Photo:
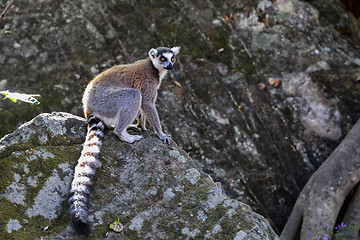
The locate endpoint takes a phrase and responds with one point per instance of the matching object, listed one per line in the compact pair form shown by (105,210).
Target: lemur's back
(128,76)
(141,75)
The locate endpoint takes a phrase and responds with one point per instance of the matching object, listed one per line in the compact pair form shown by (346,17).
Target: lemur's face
(163,57)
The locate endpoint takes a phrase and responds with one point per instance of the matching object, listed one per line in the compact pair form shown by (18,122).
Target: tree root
(322,197)
(352,216)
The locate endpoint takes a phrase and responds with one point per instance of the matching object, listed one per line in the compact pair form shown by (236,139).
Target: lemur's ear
(153,53)
(176,50)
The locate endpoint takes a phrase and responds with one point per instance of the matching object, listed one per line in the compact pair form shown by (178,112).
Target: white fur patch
(110,122)
(93,149)
(153,52)
(85,98)
(86,170)
(156,63)
(79,180)
(95,139)
(162,74)
(176,50)
(159,67)
(168,55)
(89,159)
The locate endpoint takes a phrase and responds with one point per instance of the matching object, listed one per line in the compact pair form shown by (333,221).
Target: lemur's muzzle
(169,66)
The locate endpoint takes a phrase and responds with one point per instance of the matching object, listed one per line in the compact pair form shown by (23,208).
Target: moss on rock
(158,193)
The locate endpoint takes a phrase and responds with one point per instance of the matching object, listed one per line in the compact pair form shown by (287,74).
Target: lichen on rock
(154,190)
(13,225)
(318,114)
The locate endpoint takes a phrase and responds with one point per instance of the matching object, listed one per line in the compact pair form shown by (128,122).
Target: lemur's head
(163,57)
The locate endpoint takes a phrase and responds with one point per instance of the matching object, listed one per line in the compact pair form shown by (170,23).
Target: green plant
(28,98)
(340,232)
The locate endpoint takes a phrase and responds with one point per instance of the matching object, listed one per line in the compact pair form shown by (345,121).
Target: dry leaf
(177,83)
(228,18)
(277,82)
(274,82)
(262,86)
(271,81)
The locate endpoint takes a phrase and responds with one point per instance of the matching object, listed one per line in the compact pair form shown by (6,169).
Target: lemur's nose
(169,66)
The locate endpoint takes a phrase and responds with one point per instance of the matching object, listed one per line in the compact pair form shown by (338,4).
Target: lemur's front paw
(165,138)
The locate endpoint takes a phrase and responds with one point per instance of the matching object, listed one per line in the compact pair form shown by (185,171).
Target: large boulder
(153,189)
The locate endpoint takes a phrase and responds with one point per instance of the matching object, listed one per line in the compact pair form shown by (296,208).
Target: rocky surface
(261,94)
(344,18)
(154,190)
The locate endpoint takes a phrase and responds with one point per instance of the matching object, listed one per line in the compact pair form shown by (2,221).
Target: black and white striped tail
(84,172)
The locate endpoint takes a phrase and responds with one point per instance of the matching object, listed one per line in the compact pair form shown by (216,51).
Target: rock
(318,115)
(335,13)
(257,141)
(152,189)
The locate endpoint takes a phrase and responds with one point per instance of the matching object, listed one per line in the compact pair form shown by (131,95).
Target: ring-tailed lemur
(114,98)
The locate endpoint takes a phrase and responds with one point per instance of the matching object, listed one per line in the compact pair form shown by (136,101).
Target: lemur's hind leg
(119,109)
(140,124)
(142,121)
(127,114)
(136,126)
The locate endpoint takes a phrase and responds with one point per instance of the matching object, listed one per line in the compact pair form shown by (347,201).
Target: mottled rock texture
(155,190)
(261,140)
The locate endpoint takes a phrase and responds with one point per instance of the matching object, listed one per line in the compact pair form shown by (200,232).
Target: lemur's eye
(162,59)
(172,59)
